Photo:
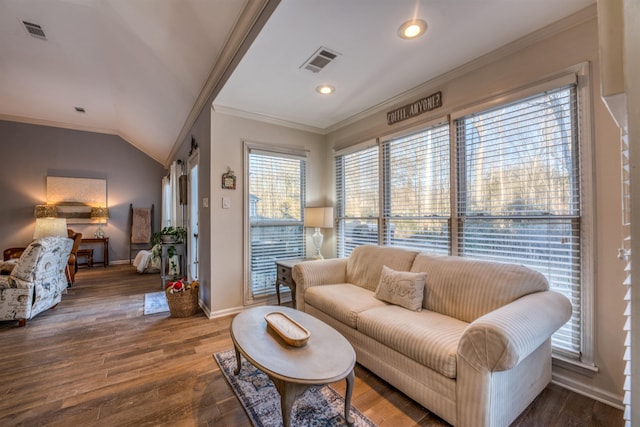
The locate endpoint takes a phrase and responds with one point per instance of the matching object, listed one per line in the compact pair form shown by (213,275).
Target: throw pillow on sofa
(401,288)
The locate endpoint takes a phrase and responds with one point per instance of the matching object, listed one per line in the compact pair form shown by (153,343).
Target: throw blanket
(141,225)
(146,262)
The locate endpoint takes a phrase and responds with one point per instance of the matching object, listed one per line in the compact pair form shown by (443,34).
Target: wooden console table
(105,243)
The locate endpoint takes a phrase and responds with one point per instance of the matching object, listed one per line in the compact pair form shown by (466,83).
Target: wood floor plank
(97,360)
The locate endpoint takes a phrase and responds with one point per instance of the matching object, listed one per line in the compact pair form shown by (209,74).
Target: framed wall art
(74,197)
(229,180)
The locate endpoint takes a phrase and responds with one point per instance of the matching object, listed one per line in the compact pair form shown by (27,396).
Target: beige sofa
(476,353)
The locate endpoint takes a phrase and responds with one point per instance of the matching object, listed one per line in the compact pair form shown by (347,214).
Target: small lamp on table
(318,218)
(101,215)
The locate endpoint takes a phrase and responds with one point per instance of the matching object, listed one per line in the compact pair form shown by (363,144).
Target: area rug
(318,406)
(155,302)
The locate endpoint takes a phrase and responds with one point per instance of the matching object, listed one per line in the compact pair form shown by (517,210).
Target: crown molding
(585,15)
(267,119)
(582,16)
(251,20)
(81,128)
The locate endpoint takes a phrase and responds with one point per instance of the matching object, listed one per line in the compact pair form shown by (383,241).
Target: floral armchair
(37,281)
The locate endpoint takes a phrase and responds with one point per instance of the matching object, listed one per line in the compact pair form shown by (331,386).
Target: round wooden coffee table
(327,356)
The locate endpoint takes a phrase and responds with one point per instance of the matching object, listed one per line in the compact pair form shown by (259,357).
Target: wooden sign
(416,108)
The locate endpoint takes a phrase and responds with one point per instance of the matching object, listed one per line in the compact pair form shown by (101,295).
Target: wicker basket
(183,304)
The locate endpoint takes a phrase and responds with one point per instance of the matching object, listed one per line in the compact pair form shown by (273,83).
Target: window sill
(574,366)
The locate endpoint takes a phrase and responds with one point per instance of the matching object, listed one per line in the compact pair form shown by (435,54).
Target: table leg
(347,399)
(289,392)
(238,361)
(278,291)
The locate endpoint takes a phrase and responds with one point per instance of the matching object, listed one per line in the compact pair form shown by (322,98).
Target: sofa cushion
(402,288)
(427,337)
(467,289)
(365,263)
(342,301)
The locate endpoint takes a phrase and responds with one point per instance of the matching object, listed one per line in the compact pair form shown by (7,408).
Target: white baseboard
(222,313)
(591,392)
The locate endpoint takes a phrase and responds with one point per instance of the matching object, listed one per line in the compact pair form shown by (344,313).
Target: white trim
(413,128)
(355,148)
(223,313)
(271,149)
(595,393)
(81,128)
(222,109)
(588,228)
(281,151)
(246,275)
(554,81)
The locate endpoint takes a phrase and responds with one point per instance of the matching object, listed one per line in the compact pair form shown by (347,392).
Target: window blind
(357,199)
(417,190)
(519,193)
(276,204)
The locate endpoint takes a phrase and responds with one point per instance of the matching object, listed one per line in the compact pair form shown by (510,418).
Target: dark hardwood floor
(96,360)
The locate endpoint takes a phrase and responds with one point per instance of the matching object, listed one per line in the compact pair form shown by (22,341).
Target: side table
(284,277)
(105,248)
(167,271)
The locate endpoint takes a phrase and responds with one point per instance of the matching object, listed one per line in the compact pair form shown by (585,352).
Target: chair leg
(22,323)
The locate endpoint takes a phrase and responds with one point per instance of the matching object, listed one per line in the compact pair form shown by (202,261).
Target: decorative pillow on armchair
(402,288)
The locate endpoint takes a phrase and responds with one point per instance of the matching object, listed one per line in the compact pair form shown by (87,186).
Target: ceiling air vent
(319,59)
(35,30)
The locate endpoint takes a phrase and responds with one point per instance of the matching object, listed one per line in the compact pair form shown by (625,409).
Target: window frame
(277,151)
(578,74)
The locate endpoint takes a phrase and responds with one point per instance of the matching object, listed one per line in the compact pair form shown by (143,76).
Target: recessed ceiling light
(412,29)
(325,89)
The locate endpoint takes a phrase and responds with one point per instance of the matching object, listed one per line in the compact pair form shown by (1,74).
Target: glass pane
(276,201)
(521,159)
(418,170)
(268,244)
(357,193)
(429,235)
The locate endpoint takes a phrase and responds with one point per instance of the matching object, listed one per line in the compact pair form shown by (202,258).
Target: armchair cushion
(6,267)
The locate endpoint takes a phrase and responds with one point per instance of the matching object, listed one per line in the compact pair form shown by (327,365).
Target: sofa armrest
(316,273)
(499,340)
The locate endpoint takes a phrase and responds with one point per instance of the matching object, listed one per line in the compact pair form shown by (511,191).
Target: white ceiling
(136,66)
(375,64)
(139,66)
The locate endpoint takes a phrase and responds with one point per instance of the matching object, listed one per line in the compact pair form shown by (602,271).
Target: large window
(275,204)
(357,197)
(519,192)
(507,186)
(417,208)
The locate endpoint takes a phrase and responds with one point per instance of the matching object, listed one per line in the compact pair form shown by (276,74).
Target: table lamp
(47,224)
(318,218)
(101,215)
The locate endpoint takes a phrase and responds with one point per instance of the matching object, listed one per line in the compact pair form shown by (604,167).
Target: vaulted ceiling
(139,68)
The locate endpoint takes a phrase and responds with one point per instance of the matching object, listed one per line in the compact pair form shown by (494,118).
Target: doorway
(193,215)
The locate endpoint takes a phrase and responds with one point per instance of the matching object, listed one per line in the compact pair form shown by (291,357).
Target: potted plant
(168,235)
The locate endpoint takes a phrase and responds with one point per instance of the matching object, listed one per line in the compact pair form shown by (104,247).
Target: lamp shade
(100,213)
(46,227)
(318,217)
(45,211)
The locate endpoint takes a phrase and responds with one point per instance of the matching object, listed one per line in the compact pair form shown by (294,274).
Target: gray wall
(31,152)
